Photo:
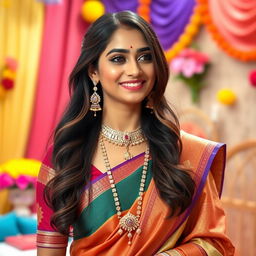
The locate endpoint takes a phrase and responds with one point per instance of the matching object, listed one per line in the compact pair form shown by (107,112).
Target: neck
(122,118)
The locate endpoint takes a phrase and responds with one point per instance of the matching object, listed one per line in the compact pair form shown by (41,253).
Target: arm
(51,252)
(49,241)
(205,230)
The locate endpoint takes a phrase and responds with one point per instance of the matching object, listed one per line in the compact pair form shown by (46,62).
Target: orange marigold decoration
(144,9)
(234,29)
(186,38)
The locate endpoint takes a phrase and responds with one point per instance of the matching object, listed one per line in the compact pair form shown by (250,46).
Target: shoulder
(193,146)
(189,140)
(47,159)
(47,171)
(203,156)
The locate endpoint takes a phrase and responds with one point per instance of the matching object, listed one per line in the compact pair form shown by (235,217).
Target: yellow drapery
(21,27)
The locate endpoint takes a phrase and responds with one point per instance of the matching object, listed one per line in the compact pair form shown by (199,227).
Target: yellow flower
(7,73)
(92,10)
(21,166)
(226,96)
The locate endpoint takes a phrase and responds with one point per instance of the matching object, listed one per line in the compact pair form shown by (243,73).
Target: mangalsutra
(129,222)
(126,139)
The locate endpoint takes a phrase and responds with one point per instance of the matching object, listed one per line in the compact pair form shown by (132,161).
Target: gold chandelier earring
(95,99)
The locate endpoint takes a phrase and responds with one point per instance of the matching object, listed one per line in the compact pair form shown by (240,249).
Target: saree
(199,230)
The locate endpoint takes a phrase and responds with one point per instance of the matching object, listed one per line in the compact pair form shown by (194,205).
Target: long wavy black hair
(77,133)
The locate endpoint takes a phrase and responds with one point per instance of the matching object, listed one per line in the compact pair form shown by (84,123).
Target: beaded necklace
(129,222)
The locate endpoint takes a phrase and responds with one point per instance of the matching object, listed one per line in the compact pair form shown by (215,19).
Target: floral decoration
(191,66)
(8,76)
(19,173)
(175,22)
(144,9)
(226,96)
(252,77)
(185,39)
(91,10)
(238,25)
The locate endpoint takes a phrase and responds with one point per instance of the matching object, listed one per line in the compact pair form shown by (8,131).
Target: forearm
(51,252)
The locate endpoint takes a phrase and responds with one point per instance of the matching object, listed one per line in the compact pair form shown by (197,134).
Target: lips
(132,84)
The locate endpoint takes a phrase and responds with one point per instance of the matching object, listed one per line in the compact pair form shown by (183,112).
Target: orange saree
(200,230)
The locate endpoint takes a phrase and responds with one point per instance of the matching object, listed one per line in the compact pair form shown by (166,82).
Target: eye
(118,59)
(147,57)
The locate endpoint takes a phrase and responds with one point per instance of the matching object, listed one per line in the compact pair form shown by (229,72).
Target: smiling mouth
(133,84)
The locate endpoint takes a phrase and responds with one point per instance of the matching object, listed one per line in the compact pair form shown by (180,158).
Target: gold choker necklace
(126,139)
(129,222)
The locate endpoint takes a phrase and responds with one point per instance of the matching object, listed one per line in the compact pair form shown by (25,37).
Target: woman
(120,175)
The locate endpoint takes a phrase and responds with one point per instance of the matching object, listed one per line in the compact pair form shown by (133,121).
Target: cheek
(152,72)
(151,75)
(110,74)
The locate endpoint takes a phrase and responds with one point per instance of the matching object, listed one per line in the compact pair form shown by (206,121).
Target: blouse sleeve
(47,236)
(205,230)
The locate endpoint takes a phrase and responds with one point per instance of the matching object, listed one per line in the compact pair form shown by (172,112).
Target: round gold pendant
(129,222)
(127,155)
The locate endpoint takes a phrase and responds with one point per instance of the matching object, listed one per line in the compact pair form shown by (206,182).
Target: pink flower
(198,56)
(189,62)
(177,64)
(23,181)
(11,63)
(6,181)
(191,67)
(252,77)
(202,58)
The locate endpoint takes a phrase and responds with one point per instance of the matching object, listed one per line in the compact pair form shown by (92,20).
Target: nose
(133,68)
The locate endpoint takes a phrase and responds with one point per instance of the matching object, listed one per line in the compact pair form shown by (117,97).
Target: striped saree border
(102,184)
(186,250)
(206,247)
(201,174)
(115,168)
(174,253)
(46,174)
(51,239)
(105,204)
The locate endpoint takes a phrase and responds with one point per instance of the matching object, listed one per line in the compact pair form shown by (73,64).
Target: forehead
(126,37)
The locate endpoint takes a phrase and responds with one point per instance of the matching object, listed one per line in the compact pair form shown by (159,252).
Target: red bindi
(131,46)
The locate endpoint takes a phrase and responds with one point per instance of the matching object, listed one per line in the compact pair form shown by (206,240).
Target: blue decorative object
(8,225)
(26,225)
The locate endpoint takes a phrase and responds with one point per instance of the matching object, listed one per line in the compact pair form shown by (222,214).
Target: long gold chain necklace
(129,222)
(126,139)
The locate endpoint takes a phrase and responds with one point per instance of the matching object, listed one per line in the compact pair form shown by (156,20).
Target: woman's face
(125,69)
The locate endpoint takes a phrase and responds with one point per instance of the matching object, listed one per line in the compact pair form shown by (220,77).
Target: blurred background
(210,46)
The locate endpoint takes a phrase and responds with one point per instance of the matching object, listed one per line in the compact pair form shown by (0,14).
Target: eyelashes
(147,57)
(120,59)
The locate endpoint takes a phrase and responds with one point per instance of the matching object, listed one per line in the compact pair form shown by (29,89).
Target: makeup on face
(125,68)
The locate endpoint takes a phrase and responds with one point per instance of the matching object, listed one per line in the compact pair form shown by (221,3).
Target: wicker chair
(239,197)
(195,121)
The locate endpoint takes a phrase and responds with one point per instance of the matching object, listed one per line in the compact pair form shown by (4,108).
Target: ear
(93,74)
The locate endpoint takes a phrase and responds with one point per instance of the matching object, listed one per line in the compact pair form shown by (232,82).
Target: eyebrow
(120,50)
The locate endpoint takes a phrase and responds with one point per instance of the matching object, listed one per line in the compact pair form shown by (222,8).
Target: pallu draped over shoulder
(200,230)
